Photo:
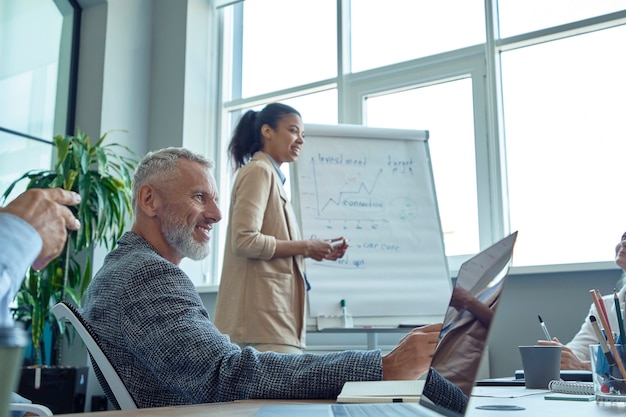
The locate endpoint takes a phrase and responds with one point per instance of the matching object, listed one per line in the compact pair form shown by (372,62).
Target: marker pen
(344,313)
(544,328)
(337,243)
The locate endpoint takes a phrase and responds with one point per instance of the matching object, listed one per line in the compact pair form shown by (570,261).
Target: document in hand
(381,391)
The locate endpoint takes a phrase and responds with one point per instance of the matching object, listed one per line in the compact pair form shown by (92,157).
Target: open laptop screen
(468,320)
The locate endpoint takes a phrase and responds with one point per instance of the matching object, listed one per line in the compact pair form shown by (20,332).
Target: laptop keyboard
(374,410)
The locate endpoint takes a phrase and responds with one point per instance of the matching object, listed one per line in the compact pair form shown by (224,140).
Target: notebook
(381,391)
(462,341)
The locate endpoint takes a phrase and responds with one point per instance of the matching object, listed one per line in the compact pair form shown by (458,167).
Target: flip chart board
(375,187)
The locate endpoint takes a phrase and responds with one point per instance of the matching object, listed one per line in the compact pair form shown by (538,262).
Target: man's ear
(148,200)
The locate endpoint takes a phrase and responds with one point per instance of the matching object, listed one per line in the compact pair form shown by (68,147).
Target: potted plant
(101,174)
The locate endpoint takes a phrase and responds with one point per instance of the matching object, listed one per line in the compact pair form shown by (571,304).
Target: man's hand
(413,354)
(45,210)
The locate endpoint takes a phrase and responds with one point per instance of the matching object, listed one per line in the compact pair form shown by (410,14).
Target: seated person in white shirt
(575,354)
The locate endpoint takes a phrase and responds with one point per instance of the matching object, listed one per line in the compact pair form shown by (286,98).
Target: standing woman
(262,296)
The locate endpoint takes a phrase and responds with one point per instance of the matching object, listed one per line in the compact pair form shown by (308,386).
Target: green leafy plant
(102,175)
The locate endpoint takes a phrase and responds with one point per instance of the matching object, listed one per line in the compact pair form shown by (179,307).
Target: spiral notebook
(571,391)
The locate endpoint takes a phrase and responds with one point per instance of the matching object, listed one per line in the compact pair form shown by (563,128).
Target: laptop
(462,341)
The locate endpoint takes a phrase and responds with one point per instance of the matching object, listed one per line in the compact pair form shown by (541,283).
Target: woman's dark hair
(247,139)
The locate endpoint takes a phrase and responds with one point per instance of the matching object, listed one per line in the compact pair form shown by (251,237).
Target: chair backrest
(109,379)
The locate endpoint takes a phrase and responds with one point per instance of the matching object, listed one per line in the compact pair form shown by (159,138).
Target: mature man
(152,323)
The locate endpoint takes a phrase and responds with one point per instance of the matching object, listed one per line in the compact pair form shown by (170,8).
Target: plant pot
(62,389)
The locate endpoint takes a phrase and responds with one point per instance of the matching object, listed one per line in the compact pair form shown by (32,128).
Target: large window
(280,50)
(36,92)
(29,65)
(401,30)
(525,114)
(517,17)
(430,107)
(564,104)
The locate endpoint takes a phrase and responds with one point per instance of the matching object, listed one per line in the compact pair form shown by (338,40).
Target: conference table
(532,402)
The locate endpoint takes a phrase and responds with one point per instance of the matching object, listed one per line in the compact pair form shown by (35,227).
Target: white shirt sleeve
(586,336)
(21,245)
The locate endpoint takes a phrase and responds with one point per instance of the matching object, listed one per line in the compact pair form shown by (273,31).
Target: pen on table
(601,340)
(620,319)
(544,328)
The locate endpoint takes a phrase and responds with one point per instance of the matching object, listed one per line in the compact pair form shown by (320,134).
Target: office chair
(38,409)
(109,379)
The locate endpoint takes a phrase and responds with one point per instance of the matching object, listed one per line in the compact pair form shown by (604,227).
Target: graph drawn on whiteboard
(378,193)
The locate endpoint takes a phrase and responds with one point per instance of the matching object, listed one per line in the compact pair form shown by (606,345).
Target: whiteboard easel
(373,186)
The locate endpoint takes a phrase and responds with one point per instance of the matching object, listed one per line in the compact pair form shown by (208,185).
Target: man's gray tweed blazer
(154,327)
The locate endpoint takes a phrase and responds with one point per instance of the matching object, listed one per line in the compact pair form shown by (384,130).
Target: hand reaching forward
(46,211)
(413,354)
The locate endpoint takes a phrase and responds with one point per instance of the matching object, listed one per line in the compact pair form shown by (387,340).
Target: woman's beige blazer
(260,299)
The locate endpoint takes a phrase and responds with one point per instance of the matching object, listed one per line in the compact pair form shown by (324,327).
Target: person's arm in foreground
(445,394)
(46,211)
(33,230)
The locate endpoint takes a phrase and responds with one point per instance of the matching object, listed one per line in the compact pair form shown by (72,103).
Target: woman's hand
(569,361)
(339,247)
(319,249)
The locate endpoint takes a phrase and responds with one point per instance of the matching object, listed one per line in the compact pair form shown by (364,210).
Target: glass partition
(38,49)
(18,155)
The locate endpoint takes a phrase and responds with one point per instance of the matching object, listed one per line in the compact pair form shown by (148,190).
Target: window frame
(480,62)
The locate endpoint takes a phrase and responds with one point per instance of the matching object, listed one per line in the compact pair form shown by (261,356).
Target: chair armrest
(40,410)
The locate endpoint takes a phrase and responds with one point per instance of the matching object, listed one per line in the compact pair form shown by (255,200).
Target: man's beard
(180,236)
